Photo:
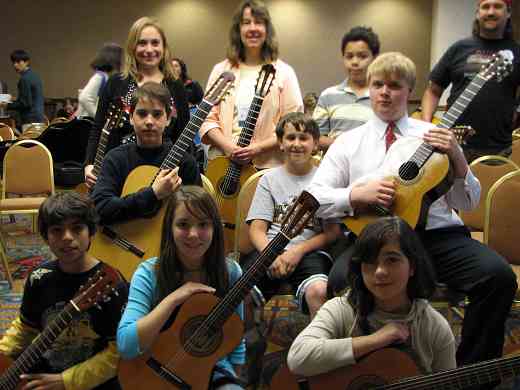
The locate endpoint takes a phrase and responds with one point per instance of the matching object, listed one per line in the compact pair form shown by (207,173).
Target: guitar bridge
(122,242)
(166,374)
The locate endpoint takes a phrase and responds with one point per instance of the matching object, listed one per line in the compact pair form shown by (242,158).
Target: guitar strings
(454,378)
(237,289)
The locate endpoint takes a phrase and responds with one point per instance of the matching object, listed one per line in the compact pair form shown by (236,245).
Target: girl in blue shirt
(191,261)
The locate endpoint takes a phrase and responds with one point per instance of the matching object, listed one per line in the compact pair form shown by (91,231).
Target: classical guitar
(390,368)
(421,173)
(206,328)
(124,245)
(114,119)
(226,175)
(98,288)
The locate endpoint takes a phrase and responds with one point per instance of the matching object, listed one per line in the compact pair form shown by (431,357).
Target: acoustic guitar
(124,245)
(206,329)
(97,290)
(390,368)
(114,119)
(420,172)
(226,175)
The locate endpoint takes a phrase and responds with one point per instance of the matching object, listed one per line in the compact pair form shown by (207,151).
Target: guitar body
(382,367)
(143,233)
(414,196)
(195,367)
(5,363)
(227,204)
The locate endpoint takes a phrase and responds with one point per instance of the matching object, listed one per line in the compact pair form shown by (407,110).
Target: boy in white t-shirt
(304,263)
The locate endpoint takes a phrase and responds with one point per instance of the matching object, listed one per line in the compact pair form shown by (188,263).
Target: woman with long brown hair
(252,44)
(147,58)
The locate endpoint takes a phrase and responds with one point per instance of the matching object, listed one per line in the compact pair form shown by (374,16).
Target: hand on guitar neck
(444,140)
(166,183)
(90,178)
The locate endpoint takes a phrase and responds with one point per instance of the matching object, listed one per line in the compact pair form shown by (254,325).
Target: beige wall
(62,36)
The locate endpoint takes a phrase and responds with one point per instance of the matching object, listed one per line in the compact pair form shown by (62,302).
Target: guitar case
(67,143)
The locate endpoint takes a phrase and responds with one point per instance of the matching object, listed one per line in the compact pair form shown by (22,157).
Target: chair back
(502,217)
(487,174)
(60,119)
(515,151)
(28,170)
(242,243)
(208,186)
(6,132)
(34,130)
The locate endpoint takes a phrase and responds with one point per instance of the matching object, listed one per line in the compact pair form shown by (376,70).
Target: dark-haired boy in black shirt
(84,355)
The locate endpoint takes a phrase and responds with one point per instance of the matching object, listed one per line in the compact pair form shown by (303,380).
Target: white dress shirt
(360,152)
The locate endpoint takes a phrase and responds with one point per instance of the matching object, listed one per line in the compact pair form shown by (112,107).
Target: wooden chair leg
(5,262)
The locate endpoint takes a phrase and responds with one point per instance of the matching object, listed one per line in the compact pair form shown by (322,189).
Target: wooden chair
(515,153)
(33,131)
(487,174)
(516,134)
(28,180)
(6,132)
(502,220)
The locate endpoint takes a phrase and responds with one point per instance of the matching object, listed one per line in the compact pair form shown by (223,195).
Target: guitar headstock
(299,215)
(115,115)
(499,66)
(265,80)
(98,288)
(463,133)
(220,88)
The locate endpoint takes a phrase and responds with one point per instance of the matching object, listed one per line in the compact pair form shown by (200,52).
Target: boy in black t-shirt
(84,355)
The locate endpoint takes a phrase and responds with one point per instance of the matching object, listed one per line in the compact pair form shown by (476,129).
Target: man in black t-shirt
(490,113)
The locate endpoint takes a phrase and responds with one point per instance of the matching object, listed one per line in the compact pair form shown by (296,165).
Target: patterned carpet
(270,331)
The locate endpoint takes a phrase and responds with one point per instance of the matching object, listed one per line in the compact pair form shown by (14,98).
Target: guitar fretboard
(179,150)
(463,377)
(424,152)
(225,308)
(33,353)
(234,170)
(101,149)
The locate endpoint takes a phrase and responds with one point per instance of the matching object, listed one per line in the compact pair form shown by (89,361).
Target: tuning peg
(98,306)
(115,292)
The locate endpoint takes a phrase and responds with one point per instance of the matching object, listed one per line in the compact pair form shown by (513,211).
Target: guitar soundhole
(206,343)
(408,171)
(366,382)
(228,188)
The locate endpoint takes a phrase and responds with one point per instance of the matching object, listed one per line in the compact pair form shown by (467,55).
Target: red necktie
(390,135)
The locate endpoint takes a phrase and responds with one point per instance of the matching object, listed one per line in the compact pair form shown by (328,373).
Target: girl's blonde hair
(130,68)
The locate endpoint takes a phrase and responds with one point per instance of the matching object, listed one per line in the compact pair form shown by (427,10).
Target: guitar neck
(32,354)
(423,153)
(179,150)
(464,377)
(459,106)
(101,149)
(223,310)
(249,127)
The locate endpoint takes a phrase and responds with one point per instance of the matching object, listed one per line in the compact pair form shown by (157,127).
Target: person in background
(347,105)
(194,91)
(29,102)
(106,62)
(310,100)
(491,112)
